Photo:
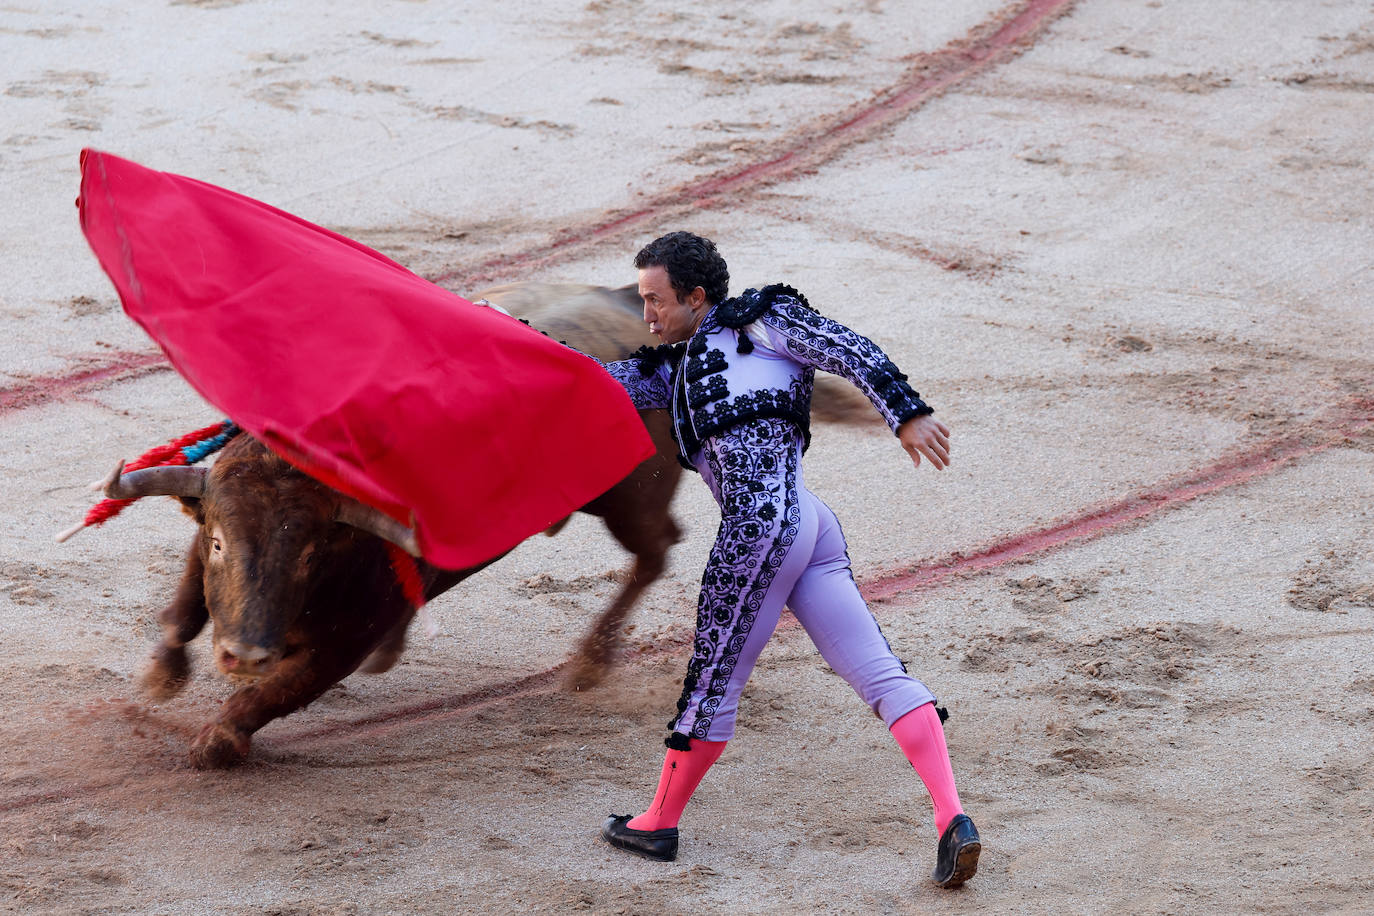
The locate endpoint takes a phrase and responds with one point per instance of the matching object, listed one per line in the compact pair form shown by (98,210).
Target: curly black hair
(690,261)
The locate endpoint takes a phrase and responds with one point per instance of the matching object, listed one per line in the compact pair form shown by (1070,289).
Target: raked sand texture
(1124,247)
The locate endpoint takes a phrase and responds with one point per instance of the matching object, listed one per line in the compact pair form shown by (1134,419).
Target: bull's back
(609,324)
(599,321)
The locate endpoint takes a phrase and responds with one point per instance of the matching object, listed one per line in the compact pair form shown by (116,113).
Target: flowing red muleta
(445,415)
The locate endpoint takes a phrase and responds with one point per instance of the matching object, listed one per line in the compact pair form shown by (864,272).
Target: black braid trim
(891,385)
(914,411)
(793,405)
(677,741)
(776,291)
(743,309)
(651,358)
(750,304)
(714,388)
(702,362)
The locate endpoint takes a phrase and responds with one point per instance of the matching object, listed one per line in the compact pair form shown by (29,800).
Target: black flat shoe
(958,856)
(651,844)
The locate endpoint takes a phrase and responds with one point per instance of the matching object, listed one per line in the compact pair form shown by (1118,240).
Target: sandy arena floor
(1123,246)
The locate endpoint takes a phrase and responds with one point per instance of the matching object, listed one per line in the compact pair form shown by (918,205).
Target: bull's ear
(191,505)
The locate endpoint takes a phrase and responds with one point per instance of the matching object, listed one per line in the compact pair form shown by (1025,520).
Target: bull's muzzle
(239,659)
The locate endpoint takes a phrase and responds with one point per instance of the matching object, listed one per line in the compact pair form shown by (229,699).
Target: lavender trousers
(778,544)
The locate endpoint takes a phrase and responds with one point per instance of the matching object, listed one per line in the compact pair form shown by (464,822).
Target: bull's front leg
(168,669)
(636,514)
(435,581)
(389,651)
(597,652)
(649,537)
(297,681)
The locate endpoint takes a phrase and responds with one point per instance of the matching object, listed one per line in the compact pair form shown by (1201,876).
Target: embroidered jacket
(755,356)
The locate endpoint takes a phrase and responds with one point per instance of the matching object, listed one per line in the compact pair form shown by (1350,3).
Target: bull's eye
(305,559)
(216,538)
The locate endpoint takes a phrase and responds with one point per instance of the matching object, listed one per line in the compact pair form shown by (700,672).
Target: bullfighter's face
(671,317)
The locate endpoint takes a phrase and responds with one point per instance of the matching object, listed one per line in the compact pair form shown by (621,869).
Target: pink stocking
(682,772)
(922,739)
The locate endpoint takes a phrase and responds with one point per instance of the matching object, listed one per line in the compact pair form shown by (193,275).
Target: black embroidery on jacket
(707,407)
(818,341)
(701,365)
(714,388)
(755,467)
(792,405)
(752,303)
(651,358)
(705,386)
(891,385)
(743,309)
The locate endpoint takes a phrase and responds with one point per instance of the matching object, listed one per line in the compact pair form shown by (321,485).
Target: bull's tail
(837,401)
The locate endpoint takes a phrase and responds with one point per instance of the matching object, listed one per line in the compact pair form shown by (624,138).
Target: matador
(737,374)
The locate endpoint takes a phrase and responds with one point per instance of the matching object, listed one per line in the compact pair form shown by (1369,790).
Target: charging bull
(299,579)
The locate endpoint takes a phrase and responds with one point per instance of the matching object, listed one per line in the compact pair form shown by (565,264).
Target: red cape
(446,415)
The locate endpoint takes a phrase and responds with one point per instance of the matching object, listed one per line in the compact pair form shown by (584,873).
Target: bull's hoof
(219,746)
(585,673)
(381,659)
(167,674)
(594,660)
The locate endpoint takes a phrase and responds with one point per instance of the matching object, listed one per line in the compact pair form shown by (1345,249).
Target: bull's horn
(374,521)
(64,536)
(162,481)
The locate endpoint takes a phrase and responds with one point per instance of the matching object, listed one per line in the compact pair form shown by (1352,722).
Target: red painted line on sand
(805,151)
(1351,419)
(936,73)
(435,710)
(1354,418)
(1264,459)
(91,374)
(56,795)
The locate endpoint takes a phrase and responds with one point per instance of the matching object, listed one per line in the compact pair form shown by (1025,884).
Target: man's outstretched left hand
(925,435)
